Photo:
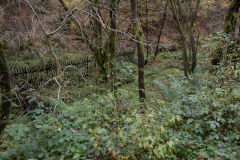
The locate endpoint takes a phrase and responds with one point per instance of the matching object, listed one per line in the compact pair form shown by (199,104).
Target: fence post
(87,66)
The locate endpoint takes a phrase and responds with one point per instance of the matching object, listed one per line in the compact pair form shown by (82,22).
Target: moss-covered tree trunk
(99,50)
(113,42)
(140,48)
(189,59)
(5,91)
(176,11)
(193,42)
(231,18)
(229,28)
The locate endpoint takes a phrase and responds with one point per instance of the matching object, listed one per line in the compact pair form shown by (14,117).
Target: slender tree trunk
(194,50)
(147,23)
(5,91)
(140,48)
(193,42)
(113,42)
(185,57)
(99,51)
(161,29)
(59,68)
(177,15)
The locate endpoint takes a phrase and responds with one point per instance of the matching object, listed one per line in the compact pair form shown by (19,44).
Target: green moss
(231,18)
(139,35)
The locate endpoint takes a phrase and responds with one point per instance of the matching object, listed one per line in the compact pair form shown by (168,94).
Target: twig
(47,37)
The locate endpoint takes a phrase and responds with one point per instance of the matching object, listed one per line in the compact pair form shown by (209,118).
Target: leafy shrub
(194,123)
(125,72)
(92,129)
(205,122)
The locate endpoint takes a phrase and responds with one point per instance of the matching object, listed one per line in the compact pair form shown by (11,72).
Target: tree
(5,90)
(230,25)
(193,43)
(147,29)
(177,13)
(113,41)
(161,29)
(100,50)
(231,18)
(140,48)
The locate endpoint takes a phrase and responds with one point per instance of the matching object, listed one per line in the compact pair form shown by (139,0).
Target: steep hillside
(22,33)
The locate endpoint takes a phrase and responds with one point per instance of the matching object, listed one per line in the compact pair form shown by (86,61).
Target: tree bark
(193,42)
(113,42)
(5,88)
(177,15)
(147,28)
(59,68)
(161,29)
(99,51)
(231,19)
(229,28)
(139,37)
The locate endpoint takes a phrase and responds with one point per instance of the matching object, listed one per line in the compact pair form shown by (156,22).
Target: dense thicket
(119,80)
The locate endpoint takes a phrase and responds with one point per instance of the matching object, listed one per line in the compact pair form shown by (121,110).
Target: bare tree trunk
(147,23)
(193,42)
(140,48)
(99,50)
(113,42)
(5,91)
(59,67)
(177,15)
(161,29)
(194,50)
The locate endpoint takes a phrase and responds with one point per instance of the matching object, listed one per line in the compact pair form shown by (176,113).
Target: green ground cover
(181,119)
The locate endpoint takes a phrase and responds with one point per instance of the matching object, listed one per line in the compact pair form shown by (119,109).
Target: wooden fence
(51,68)
(77,69)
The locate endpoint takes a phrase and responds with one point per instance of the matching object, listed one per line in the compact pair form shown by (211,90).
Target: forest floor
(165,66)
(185,119)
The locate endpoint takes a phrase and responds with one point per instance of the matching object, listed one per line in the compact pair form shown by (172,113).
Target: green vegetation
(178,101)
(5,88)
(181,119)
(35,60)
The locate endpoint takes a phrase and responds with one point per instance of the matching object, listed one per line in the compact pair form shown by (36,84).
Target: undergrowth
(197,119)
